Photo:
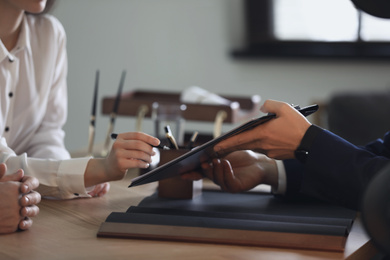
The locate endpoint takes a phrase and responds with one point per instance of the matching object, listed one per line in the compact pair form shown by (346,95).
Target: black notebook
(239,219)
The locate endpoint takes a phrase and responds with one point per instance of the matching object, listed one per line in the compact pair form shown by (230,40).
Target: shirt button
(11,59)
(6,129)
(10,94)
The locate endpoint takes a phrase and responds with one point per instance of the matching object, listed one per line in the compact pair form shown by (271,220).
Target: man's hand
(277,138)
(239,171)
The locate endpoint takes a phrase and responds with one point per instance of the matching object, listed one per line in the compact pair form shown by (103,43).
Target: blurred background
(169,45)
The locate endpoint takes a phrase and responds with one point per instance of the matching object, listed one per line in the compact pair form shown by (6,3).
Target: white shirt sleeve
(63,179)
(33,109)
(282,179)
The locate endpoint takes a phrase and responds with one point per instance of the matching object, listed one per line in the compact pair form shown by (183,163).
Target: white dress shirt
(282,178)
(34,109)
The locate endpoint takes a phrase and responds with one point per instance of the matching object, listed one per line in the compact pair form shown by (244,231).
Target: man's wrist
(303,150)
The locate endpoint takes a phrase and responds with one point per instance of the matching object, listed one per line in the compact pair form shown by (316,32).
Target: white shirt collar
(23,42)
(3,51)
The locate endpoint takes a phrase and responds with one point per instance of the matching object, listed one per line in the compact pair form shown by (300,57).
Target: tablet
(192,160)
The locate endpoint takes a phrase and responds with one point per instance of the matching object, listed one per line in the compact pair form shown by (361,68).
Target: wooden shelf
(241,108)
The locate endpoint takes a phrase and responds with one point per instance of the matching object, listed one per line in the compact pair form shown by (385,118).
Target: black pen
(306,111)
(170,137)
(114,136)
(113,114)
(93,116)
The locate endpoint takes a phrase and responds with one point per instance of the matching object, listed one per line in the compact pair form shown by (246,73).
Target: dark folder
(239,219)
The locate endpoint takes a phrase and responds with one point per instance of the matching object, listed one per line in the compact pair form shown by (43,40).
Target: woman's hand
(17,200)
(130,150)
(100,190)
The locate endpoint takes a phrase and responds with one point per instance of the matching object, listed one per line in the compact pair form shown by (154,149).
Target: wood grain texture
(68,230)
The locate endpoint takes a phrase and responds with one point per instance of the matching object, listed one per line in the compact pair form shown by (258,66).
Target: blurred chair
(357,116)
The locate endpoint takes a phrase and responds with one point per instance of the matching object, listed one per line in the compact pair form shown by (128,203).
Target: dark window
(313,29)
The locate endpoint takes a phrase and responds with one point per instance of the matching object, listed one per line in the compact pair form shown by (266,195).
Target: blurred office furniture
(240,109)
(376,210)
(358,116)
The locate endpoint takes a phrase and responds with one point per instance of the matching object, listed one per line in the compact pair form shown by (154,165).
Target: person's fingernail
(146,165)
(25,187)
(26,199)
(22,224)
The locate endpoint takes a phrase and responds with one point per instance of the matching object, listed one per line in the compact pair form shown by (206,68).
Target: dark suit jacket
(336,170)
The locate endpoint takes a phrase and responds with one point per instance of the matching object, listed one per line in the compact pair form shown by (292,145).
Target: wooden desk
(67,230)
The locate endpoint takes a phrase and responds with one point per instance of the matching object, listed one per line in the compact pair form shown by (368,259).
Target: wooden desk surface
(67,230)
